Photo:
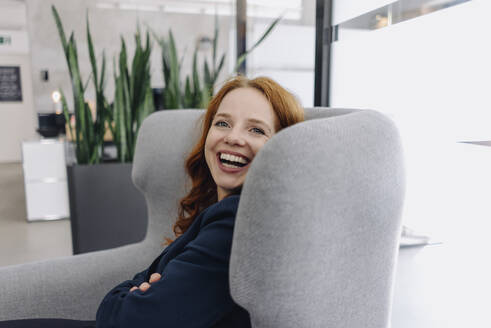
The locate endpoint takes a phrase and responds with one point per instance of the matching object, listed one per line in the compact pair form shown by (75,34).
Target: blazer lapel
(178,245)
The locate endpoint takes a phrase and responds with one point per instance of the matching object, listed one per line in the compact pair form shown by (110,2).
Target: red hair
(203,191)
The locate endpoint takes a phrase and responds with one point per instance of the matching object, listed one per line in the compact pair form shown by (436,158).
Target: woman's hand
(146,285)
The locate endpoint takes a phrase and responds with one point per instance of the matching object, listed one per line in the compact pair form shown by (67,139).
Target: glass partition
(430,71)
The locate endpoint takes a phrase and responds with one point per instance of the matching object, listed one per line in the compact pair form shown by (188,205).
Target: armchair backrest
(316,234)
(317,229)
(164,141)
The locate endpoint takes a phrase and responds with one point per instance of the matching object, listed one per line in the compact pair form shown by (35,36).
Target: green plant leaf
(89,135)
(182,57)
(148,108)
(66,113)
(93,61)
(133,100)
(61,31)
(174,87)
(102,80)
(270,28)
(220,66)
(208,78)
(119,117)
(215,41)
(88,132)
(188,94)
(205,98)
(79,104)
(208,88)
(196,83)
(266,33)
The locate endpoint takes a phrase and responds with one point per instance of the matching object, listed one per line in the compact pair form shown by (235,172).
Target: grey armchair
(316,236)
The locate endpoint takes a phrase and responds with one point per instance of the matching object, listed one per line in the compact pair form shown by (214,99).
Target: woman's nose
(234,137)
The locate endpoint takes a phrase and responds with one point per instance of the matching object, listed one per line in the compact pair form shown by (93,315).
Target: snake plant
(89,131)
(194,94)
(133,99)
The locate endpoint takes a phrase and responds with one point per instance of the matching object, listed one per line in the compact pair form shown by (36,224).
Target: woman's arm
(193,290)
(124,287)
(129,285)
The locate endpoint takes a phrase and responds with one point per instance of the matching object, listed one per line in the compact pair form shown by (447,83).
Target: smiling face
(243,123)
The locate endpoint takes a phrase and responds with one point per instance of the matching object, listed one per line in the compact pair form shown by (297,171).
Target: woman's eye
(220,123)
(257,130)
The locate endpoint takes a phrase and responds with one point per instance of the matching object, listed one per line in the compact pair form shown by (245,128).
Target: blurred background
(424,63)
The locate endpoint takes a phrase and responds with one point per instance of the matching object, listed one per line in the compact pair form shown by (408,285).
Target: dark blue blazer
(194,288)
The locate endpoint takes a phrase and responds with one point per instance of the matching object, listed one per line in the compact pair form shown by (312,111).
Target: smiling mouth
(232,162)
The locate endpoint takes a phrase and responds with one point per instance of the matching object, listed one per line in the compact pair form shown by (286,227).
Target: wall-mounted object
(5,40)
(13,42)
(10,84)
(45,75)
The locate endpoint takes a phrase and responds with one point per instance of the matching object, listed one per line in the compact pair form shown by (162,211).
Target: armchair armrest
(70,287)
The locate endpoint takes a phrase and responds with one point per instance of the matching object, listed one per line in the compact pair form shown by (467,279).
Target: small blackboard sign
(10,84)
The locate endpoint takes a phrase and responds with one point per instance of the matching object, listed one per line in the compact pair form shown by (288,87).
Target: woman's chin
(230,190)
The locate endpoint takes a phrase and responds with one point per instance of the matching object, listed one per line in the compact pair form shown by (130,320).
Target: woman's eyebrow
(224,115)
(253,120)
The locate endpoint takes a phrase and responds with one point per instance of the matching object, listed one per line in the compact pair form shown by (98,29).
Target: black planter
(106,209)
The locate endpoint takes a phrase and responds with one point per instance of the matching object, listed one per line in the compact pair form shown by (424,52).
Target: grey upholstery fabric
(338,202)
(316,234)
(73,287)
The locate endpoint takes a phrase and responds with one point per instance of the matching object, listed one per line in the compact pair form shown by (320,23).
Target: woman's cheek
(260,144)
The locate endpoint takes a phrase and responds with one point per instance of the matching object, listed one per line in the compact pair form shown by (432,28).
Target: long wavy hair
(203,191)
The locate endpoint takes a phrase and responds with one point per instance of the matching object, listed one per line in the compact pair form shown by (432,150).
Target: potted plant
(106,210)
(194,94)
(133,99)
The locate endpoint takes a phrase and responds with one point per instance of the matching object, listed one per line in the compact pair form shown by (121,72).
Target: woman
(187,285)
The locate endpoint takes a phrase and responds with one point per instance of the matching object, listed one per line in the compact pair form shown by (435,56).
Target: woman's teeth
(232,161)
(230,165)
(233,158)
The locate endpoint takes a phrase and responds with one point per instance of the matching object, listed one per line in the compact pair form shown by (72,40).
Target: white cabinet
(45,179)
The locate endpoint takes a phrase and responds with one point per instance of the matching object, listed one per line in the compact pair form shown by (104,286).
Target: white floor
(22,241)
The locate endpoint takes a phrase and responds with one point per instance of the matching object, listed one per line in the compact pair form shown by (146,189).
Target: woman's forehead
(243,102)
(245,95)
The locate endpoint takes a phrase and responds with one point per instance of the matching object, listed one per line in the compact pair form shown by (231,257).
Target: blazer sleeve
(136,281)
(193,290)
(123,288)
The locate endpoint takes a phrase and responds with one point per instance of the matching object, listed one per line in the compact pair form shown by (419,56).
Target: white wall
(17,119)
(13,14)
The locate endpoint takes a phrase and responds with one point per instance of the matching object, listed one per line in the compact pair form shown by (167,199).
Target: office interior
(425,64)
